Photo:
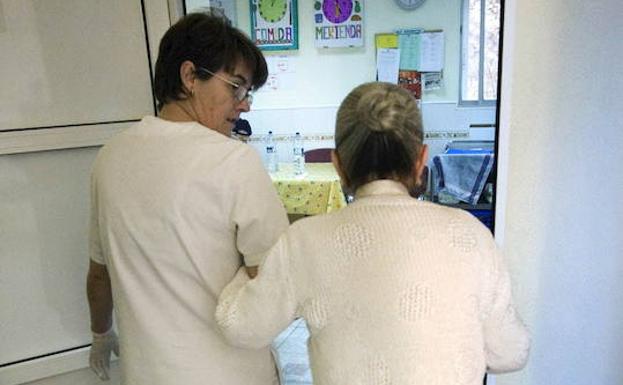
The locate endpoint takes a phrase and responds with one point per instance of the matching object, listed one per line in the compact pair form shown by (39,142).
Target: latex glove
(99,357)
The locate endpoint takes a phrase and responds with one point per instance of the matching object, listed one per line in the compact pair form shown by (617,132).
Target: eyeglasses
(240,92)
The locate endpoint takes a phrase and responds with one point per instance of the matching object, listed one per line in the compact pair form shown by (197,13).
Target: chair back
(318,155)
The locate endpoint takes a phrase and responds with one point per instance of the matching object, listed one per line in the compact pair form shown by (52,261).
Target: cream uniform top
(175,209)
(394,291)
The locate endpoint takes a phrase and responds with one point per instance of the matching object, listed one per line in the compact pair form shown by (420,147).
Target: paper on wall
(432,81)
(409,44)
(432,51)
(387,63)
(386,40)
(281,73)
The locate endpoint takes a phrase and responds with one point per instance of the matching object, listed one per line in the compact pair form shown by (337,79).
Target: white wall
(564,217)
(325,76)
(441,120)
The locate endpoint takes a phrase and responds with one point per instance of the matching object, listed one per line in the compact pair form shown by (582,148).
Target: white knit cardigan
(394,291)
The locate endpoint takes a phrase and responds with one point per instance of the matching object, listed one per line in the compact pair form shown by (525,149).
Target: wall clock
(337,11)
(274,24)
(272,10)
(409,4)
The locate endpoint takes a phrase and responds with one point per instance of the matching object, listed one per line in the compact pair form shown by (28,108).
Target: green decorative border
(295,29)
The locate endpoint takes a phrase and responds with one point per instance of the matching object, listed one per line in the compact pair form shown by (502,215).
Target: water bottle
(271,153)
(298,153)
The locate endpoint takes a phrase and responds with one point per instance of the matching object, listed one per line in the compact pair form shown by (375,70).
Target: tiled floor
(290,351)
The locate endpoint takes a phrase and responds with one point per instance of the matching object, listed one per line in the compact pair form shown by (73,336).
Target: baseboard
(44,367)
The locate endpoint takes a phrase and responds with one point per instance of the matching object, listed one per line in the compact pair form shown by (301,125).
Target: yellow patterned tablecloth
(318,191)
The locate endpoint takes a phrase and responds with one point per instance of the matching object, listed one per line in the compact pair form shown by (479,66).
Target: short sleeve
(258,213)
(95,245)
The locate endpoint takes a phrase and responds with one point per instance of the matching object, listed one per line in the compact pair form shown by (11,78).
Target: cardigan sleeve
(507,340)
(252,312)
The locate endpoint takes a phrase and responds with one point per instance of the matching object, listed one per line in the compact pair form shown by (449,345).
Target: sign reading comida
(274,24)
(338,23)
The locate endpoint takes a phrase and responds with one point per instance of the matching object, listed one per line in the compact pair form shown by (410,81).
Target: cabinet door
(76,63)
(71,62)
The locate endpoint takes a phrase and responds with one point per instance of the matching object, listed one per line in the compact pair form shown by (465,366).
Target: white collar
(382,187)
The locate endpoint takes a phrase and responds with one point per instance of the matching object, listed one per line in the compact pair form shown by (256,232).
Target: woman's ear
(187,76)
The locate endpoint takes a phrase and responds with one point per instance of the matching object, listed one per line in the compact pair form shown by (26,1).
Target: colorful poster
(274,24)
(412,81)
(338,23)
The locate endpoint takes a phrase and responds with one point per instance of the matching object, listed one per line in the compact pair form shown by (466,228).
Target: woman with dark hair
(394,290)
(177,207)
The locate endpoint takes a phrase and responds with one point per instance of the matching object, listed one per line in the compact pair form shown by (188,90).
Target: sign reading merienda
(338,23)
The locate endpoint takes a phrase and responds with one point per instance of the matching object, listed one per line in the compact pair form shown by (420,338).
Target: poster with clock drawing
(274,24)
(338,23)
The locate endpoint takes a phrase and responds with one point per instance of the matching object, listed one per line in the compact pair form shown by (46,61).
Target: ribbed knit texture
(394,291)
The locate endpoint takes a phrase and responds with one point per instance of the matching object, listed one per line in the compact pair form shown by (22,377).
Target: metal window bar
(464,30)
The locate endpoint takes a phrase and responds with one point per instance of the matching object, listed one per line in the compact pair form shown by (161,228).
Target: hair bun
(378,134)
(381,110)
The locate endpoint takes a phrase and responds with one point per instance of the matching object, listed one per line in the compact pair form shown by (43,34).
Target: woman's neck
(176,112)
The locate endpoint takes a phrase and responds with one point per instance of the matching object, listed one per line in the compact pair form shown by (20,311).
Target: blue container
(485,216)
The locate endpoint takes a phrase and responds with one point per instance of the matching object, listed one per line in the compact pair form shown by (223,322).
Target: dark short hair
(209,42)
(378,134)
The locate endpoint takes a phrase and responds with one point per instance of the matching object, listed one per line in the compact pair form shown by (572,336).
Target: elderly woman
(394,290)
(174,215)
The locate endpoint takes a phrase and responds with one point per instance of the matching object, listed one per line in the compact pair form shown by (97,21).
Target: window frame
(480,101)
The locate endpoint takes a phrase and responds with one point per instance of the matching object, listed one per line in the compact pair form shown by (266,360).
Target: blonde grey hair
(378,134)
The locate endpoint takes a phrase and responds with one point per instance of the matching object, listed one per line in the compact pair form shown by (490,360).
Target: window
(480,37)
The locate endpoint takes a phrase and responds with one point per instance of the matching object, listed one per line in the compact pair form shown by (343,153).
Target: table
(317,191)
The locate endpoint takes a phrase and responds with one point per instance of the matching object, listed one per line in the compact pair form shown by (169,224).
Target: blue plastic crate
(485,216)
